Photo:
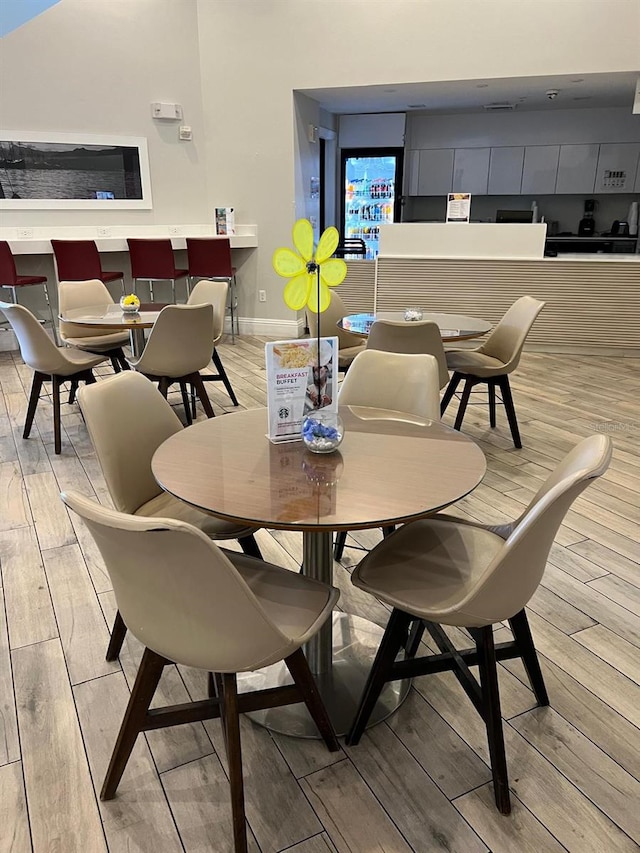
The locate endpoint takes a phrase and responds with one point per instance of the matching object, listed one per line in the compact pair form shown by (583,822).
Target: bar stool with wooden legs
(443,571)
(189,602)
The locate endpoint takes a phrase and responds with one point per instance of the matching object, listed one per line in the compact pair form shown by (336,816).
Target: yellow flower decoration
(305,287)
(131,299)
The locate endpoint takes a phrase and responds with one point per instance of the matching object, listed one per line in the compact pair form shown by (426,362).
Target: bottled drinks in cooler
(370,182)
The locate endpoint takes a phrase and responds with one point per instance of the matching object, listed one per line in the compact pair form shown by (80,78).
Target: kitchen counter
(596,257)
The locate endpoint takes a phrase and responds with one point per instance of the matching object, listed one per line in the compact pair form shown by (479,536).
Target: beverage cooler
(372,184)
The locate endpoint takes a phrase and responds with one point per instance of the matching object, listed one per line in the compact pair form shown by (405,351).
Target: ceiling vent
(500,108)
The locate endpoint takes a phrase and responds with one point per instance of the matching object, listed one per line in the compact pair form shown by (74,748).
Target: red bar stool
(210,257)
(152,260)
(10,279)
(79,260)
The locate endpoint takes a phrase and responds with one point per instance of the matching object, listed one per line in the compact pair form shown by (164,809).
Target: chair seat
(25,280)
(346,355)
(428,567)
(98,343)
(475,363)
(175,275)
(295,603)
(77,360)
(111,275)
(165,505)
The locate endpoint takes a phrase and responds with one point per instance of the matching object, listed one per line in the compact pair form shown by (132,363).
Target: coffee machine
(587,225)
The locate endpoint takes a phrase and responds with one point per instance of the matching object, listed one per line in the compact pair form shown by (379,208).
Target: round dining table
(453,327)
(391,468)
(111,316)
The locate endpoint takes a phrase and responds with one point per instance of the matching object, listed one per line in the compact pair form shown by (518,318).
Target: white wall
(377,130)
(95,67)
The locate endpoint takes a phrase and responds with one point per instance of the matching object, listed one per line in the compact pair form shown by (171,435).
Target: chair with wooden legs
(349,345)
(179,347)
(398,382)
(82,294)
(422,336)
(127,420)
(214,292)
(188,602)
(492,362)
(49,363)
(447,572)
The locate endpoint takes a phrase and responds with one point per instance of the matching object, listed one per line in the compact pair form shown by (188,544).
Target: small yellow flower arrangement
(130,303)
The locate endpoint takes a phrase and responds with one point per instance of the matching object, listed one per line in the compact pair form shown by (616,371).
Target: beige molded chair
(415,337)
(492,362)
(190,603)
(128,420)
(349,345)
(49,363)
(179,347)
(398,382)
(443,571)
(85,294)
(215,293)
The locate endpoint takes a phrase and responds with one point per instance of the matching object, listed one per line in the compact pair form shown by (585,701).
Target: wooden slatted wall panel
(589,305)
(357,290)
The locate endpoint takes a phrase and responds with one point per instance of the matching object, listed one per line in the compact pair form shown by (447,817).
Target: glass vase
(322,432)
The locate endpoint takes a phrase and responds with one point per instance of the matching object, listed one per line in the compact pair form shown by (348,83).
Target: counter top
(595,257)
(113,238)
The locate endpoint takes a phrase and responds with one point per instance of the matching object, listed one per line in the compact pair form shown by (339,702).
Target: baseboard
(285,329)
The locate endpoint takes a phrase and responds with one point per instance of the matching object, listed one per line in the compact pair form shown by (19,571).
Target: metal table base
(340,657)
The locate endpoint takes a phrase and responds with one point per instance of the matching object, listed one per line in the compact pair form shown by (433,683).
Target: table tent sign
(458,207)
(298,383)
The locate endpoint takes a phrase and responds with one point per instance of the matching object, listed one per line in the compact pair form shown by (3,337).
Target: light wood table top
(111,316)
(453,327)
(389,469)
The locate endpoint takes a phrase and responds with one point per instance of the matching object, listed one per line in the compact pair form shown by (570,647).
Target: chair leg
(519,625)
(250,546)
(509,408)
(304,681)
(393,640)
(492,715)
(492,403)
(118,633)
(196,381)
(122,361)
(34,396)
(115,363)
(462,408)
(455,380)
(163,386)
(57,428)
(338,548)
(414,638)
(173,290)
(234,757)
(145,685)
(223,374)
(53,322)
(186,402)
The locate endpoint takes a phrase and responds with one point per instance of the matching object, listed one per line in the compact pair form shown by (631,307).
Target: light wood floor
(419,782)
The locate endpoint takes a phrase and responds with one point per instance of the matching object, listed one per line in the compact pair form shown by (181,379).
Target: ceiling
(575,91)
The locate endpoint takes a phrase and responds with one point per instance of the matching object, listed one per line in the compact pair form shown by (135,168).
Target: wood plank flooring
(419,782)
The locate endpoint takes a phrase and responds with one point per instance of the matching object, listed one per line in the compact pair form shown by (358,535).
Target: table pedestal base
(355,643)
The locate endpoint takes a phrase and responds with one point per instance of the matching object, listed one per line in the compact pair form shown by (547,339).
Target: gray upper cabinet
(471,170)
(540,169)
(577,168)
(505,170)
(636,188)
(435,171)
(617,166)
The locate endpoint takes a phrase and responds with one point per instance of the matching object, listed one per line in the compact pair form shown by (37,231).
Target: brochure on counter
(458,207)
(293,373)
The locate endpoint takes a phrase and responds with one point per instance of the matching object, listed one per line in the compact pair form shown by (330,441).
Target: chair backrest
(81,294)
(179,594)
(127,419)
(151,258)
(77,260)
(397,381)
(328,319)
(507,339)
(420,337)
(207,292)
(36,347)
(181,341)
(514,574)
(8,274)
(209,257)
